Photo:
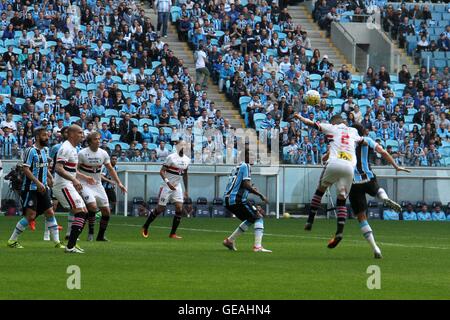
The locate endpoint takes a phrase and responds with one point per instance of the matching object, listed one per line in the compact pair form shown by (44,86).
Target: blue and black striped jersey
(37,160)
(235,191)
(363,171)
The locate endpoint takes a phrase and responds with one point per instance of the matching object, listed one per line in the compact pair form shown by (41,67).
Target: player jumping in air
(236,193)
(90,162)
(35,195)
(365,182)
(67,186)
(174,169)
(338,170)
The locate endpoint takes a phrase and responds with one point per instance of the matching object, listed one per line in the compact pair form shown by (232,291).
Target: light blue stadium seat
(147,121)
(259,117)
(153,130)
(167,130)
(155,64)
(111,113)
(91,86)
(152,146)
(104,119)
(115,137)
(408,118)
(74,119)
(356,78)
(315,77)
(135,121)
(364,102)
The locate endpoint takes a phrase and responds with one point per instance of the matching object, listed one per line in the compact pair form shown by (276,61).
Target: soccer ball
(312,97)
(286,215)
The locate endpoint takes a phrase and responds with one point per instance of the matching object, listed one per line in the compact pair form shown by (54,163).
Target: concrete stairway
(182,51)
(301,16)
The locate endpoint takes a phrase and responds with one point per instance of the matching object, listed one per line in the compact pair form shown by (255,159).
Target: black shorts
(111,194)
(36,201)
(358,193)
(243,211)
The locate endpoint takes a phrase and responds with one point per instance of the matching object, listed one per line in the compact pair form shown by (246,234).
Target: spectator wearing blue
(162,7)
(268,122)
(123,157)
(128,107)
(5,88)
(162,136)
(438,214)
(360,92)
(409,214)
(147,136)
(390,215)
(423,214)
(105,134)
(443,42)
(385,133)
(225,73)
(98,109)
(344,74)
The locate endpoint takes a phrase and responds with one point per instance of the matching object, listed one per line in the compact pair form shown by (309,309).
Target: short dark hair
(38,131)
(336,119)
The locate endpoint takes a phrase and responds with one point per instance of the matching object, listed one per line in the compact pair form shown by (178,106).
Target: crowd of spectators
(265,64)
(103,66)
(421,213)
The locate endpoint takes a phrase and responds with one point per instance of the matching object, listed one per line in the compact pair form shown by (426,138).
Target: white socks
(52,226)
(259,230)
(239,230)
(20,227)
(382,195)
(368,234)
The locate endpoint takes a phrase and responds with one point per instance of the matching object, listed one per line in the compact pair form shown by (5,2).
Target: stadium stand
(265,64)
(108,70)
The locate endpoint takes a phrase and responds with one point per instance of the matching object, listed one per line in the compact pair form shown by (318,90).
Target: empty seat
(202,208)
(218,209)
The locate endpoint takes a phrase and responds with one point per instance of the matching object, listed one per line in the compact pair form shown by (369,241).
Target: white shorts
(166,195)
(339,172)
(95,193)
(68,197)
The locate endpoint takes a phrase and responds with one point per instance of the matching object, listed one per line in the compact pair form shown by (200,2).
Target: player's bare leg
(176,220)
(104,220)
(315,204)
(153,214)
(368,234)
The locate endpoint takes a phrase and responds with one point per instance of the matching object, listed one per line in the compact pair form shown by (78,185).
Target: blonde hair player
(90,163)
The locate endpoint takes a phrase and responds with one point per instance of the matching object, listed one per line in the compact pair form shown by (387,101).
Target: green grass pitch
(416,262)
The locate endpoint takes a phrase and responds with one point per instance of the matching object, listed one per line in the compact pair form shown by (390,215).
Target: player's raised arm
(388,158)
(115,177)
(304,120)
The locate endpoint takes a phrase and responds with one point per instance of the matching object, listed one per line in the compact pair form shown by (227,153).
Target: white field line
(291,236)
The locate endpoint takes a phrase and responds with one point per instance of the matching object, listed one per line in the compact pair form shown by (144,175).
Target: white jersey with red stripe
(68,156)
(91,163)
(343,140)
(176,167)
